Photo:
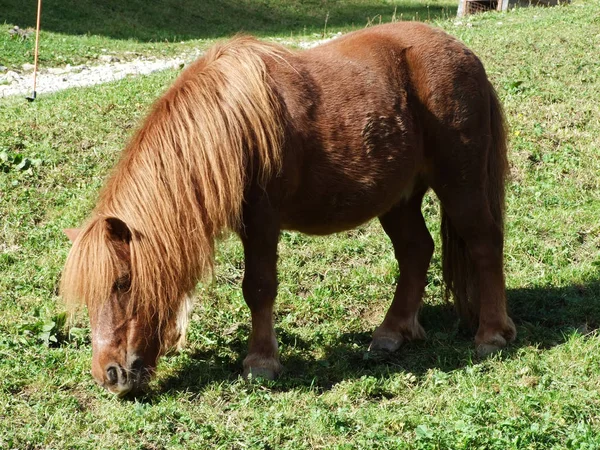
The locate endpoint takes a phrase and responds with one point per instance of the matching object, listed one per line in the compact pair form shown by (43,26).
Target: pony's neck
(182,179)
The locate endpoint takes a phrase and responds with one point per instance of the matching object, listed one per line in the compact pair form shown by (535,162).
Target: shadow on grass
(544,316)
(176,20)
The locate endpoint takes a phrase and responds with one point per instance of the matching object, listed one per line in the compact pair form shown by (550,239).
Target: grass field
(542,392)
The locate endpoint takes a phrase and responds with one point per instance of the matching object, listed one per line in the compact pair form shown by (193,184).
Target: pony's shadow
(545,317)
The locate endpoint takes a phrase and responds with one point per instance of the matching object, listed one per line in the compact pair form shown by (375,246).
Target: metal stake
(37,37)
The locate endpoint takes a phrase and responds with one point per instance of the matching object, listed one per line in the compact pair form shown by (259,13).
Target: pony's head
(128,333)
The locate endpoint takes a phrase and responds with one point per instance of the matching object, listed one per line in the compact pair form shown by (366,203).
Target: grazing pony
(256,139)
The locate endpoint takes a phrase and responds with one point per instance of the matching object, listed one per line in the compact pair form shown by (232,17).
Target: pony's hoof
(390,340)
(259,367)
(252,373)
(386,344)
(485,350)
(491,346)
(495,341)
(510,333)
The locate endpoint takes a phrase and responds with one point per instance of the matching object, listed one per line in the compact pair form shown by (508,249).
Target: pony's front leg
(260,237)
(413,246)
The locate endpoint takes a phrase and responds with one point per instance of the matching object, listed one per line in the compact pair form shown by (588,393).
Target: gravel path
(56,79)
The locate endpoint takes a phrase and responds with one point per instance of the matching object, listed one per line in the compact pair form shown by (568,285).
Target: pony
(254,138)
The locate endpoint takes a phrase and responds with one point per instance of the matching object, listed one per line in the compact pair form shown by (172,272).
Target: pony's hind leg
(471,193)
(413,247)
(468,173)
(260,237)
(481,296)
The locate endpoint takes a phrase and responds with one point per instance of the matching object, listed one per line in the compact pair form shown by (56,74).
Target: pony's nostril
(112,374)
(137,365)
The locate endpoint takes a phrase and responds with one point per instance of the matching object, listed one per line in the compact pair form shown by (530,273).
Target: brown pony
(256,139)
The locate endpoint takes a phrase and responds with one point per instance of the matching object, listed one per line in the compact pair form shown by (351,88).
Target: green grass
(542,392)
(79,31)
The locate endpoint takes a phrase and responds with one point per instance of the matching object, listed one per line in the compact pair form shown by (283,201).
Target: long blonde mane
(181,180)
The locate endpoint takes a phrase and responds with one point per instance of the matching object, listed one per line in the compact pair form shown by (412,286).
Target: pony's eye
(122,284)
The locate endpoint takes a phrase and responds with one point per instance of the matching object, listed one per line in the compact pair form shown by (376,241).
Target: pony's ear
(118,230)
(72,233)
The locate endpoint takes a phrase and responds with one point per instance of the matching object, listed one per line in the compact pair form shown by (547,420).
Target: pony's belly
(332,212)
(323,228)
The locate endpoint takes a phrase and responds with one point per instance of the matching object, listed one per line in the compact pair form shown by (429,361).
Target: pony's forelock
(90,269)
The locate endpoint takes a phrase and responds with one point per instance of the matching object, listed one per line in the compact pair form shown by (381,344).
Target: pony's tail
(458,268)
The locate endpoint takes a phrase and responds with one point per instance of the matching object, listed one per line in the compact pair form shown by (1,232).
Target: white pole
(37,40)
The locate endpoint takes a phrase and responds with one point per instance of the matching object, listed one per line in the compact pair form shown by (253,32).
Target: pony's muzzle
(121,381)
